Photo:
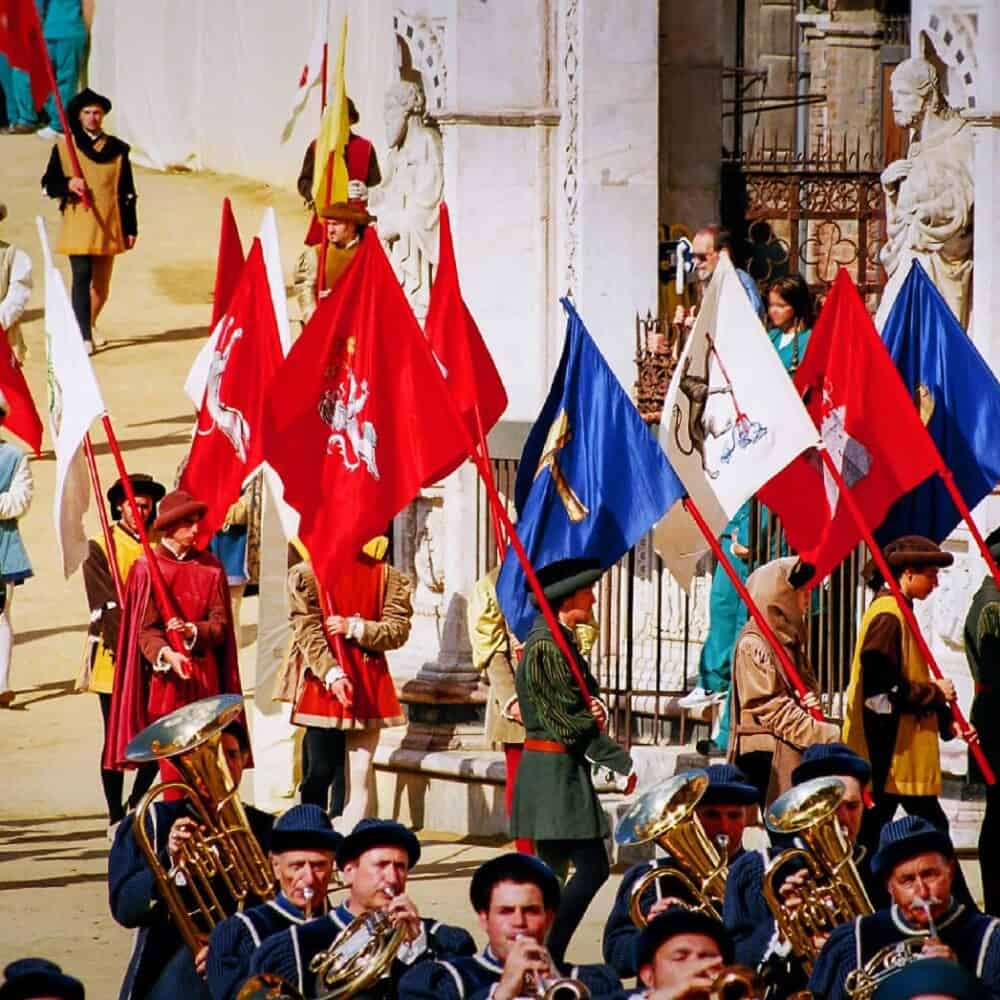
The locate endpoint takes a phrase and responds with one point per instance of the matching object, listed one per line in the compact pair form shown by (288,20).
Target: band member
(162,966)
(931,979)
(917,862)
(724,811)
(771,725)
(155,678)
(374,862)
(38,979)
(357,697)
(680,953)
(555,804)
(895,710)
(106,618)
(515,898)
(303,852)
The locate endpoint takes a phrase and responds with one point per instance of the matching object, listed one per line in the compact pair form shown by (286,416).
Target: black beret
(513,867)
(680,920)
(371,833)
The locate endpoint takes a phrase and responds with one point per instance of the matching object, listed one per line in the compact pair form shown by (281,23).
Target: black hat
(728,785)
(85,99)
(513,867)
(371,833)
(908,552)
(142,485)
(304,828)
(831,760)
(931,975)
(567,576)
(680,920)
(38,977)
(905,839)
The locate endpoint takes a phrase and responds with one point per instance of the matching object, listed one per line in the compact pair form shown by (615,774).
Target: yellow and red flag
(330,178)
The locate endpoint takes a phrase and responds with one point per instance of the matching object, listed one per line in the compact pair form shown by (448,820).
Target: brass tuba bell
(833,892)
(666,814)
(221,865)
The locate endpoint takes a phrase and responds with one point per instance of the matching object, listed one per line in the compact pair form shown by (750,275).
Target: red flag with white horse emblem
(358,418)
(227,445)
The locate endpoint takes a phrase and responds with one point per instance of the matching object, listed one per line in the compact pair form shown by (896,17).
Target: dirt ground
(53,849)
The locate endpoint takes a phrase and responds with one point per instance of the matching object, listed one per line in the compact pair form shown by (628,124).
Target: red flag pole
(321,280)
(488,466)
(963,508)
(109,541)
(758,616)
(906,609)
(322,96)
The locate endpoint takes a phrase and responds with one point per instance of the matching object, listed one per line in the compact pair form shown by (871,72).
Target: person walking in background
(15,291)
(65,25)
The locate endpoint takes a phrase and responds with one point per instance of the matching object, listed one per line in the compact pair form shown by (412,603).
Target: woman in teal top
(790,313)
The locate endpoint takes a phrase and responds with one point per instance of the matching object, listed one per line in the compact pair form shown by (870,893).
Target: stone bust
(929,193)
(407,200)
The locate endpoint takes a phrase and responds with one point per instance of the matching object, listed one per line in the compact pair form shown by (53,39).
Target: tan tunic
(96,230)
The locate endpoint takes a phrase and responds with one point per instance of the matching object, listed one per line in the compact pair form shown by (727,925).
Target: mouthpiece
(308,892)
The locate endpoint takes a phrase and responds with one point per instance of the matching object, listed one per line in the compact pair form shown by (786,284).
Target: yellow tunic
(96,230)
(916,758)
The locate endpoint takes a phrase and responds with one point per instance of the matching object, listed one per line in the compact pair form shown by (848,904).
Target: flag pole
(321,279)
(322,96)
(905,609)
(963,508)
(758,616)
(488,465)
(109,542)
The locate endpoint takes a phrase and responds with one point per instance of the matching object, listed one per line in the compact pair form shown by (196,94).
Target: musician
(931,979)
(555,804)
(374,861)
(724,811)
(38,979)
(917,862)
(303,853)
(515,897)
(680,953)
(162,966)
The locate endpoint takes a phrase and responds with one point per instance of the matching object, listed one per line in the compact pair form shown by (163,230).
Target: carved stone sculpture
(406,202)
(929,193)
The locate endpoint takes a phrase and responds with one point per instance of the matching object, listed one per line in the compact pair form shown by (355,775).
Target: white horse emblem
(355,440)
(226,419)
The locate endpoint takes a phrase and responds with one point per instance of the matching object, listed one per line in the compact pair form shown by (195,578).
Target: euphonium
(222,864)
(666,814)
(833,892)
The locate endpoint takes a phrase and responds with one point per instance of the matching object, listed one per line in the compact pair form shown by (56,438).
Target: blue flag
(958,398)
(592,480)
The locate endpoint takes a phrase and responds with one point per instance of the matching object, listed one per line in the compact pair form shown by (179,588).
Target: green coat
(554,798)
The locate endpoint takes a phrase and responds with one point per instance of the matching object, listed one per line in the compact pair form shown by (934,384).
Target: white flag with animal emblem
(75,402)
(732,419)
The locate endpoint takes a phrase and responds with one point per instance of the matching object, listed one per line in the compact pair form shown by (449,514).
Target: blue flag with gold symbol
(593,479)
(958,398)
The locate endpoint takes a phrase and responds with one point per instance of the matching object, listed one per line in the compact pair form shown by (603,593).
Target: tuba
(833,892)
(222,864)
(666,814)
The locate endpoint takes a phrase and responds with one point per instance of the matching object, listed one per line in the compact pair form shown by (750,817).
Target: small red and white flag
(312,71)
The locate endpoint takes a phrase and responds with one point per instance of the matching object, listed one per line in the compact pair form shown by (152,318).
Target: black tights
(590,871)
(113,782)
(323,775)
(989,857)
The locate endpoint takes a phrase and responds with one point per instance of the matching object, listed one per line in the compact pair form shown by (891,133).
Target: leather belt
(545,746)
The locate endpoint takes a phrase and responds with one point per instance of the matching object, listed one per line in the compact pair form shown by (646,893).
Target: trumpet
(554,988)
(666,814)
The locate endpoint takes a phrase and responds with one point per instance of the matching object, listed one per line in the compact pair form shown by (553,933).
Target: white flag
(732,419)
(75,402)
(312,72)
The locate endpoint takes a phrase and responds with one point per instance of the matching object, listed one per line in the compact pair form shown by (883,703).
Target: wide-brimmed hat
(38,977)
(831,760)
(680,920)
(347,211)
(931,976)
(513,867)
(728,785)
(176,507)
(371,833)
(85,99)
(567,576)
(908,552)
(142,485)
(907,838)
(304,828)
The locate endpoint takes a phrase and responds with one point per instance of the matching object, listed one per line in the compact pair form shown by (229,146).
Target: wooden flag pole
(758,616)
(102,513)
(906,610)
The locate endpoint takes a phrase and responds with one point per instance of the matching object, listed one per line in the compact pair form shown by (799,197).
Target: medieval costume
(91,237)
(15,291)
(895,714)
(104,627)
(770,726)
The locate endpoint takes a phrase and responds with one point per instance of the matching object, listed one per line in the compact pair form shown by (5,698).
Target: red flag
(22,418)
(869,426)
(227,443)
(472,376)
(21,41)
(359,415)
(230,262)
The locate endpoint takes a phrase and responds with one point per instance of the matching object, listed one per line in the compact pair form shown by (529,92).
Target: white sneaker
(88,346)
(48,133)
(694,699)
(98,340)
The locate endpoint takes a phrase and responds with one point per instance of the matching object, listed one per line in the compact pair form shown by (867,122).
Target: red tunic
(358,156)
